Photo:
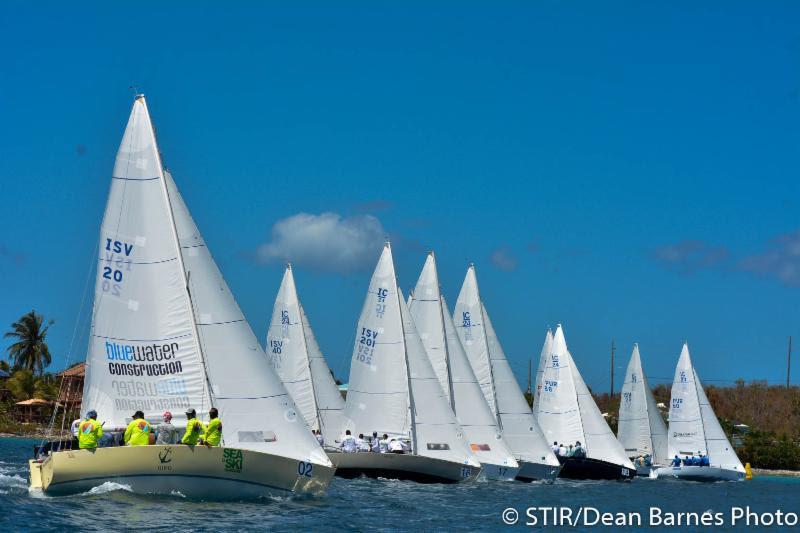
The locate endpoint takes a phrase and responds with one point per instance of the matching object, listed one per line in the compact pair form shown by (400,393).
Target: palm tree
(30,351)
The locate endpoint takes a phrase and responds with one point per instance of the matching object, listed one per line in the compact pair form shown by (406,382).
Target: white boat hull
(402,466)
(195,472)
(529,471)
(498,472)
(699,473)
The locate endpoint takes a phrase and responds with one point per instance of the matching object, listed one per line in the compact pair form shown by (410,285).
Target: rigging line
(78,320)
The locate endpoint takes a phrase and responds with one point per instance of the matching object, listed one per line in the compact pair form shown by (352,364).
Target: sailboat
(455,375)
(500,388)
(641,429)
(167,334)
(694,431)
(294,353)
(393,390)
(568,414)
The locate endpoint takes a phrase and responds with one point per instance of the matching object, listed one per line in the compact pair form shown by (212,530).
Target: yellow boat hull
(191,471)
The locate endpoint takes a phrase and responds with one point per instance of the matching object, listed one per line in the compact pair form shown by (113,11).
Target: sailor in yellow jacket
(138,431)
(213,434)
(194,428)
(89,432)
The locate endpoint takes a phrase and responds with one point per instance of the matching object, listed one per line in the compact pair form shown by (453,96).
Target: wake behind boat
(393,390)
(695,434)
(568,416)
(168,334)
(641,429)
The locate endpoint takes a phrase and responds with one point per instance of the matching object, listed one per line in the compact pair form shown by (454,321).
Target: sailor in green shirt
(138,431)
(213,433)
(194,428)
(89,431)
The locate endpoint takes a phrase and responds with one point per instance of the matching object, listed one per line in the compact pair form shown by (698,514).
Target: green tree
(4,366)
(30,350)
(22,384)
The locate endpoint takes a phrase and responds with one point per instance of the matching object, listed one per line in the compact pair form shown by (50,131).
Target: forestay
(257,411)
(143,353)
(377,396)
(641,427)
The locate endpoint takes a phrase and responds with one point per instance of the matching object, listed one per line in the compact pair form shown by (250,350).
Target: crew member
(138,431)
(89,431)
(348,442)
(384,444)
(376,442)
(213,432)
(395,446)
(194,428)
(361,443)
(167,433)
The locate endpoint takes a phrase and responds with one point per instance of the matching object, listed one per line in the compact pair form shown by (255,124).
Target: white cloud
(503,259)
(781,260)
(325,242)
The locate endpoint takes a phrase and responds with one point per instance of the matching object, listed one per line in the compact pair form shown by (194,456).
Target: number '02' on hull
(195,472)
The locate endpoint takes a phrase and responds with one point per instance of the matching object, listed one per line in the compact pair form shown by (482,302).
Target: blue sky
(627,169)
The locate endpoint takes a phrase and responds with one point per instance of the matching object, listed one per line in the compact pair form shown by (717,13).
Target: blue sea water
(383,505)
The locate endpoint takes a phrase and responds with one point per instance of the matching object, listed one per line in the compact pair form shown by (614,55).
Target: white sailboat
(458,382)
(294,353)
(168,335)
(641,429)
(394,390)
(695,431)
(568,414)
(500,388)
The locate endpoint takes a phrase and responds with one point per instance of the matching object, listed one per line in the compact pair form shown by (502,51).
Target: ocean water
(384,505)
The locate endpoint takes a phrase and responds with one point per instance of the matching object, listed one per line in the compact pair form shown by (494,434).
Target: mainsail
(143,352)
(693,426)
(500,388)
(298,360)
(641,428)
(393,388)
(450,362)
(568,413)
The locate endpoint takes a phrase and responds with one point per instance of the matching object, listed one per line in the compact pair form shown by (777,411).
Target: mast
(486,343)
(411,407)
(611,394)
(444,337)
(305,346)
(186,276)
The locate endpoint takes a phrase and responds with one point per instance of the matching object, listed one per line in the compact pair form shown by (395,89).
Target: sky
(627,169)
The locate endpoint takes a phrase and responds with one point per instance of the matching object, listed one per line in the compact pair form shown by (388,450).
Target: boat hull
(195,472)
(530,471)
(708,474)
(498,472)
(401,466)
(587,468)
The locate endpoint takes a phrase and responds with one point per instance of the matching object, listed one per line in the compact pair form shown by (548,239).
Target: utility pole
(613,347)
(789,362)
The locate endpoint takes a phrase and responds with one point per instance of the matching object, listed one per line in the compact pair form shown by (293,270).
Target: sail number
(366,345)
(626,396)
(677,402)
(117,254)
(304,468)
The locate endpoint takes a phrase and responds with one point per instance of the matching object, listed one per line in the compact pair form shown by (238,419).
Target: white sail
(257,411)
(377,396)
(298,360)
(537,384)
(143,352)
(500,388)
(450,362)
(436,432)
(426,308)
(569,413)
(641,428)
(330,403)
(693,426)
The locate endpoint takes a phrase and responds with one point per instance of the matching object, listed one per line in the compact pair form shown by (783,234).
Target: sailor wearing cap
(194,428)
(167,433)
